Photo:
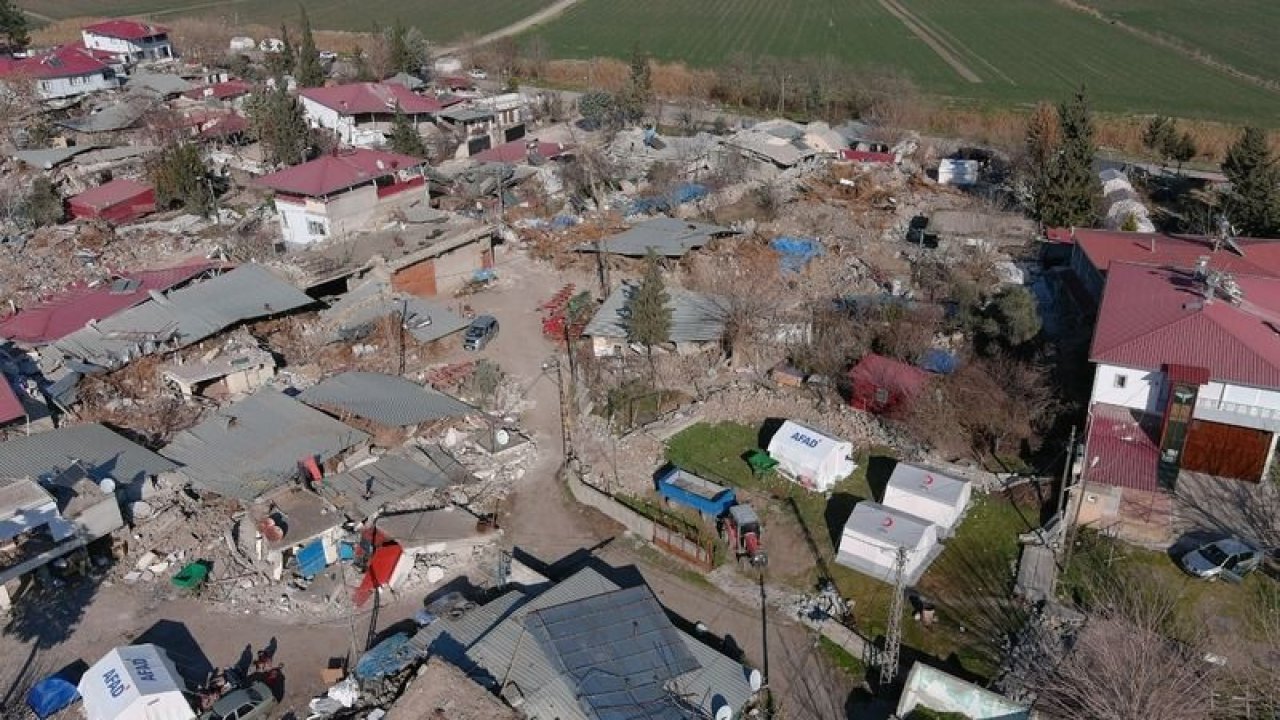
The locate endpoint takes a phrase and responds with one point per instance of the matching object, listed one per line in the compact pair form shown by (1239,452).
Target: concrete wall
(1143,389)
(600,500)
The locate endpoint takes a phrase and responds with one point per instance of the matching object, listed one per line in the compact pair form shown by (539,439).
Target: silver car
(480,332)
(1227,558)
(252,703)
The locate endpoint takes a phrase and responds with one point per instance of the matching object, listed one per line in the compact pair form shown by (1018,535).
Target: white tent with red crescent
(874,534)
(929,494)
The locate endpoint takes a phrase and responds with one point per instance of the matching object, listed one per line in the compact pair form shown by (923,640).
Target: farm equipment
(743,531)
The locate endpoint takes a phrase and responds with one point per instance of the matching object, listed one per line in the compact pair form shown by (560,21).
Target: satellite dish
(107,485)
(755,680)
(724,713)
(502,437)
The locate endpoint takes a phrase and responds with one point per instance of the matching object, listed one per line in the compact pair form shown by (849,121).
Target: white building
(346,192)
(64,72)
(361,114)
(810,458)
(874,535)
(129,40)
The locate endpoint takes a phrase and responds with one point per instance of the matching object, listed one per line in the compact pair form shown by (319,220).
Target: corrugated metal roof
(427,527)
(668,237)
(48,158)
(183,317)
(254,445)
(365,490)
(427,320)
(160,84)
(384,399)
(45,455)
(11,408)
(694,317)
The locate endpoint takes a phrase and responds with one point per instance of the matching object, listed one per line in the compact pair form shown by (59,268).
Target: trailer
(685,488)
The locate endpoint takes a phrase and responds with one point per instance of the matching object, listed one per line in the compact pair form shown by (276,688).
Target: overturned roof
(668,237)
(109,119)
(255,445)
(49,158)
(183,317)
(103,453)
(426,320)
(158,84)
(384,399)
(368,489)
(694,317)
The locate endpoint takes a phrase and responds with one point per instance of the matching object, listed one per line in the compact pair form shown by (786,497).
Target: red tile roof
(1124,442)
(339,171)
(110,194)
(221,91)
(10,406)
(62,61)
(1104,247)
(1152,317)
(370,97)
(517,151)
(70,309)
(125,29)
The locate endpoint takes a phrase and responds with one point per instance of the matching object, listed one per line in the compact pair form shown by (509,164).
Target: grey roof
(384,399)
(890,527)
(494,640)
(694,317)
(49,158)
(158,84)
(668,237)
(46,455)
(109,119)
(407,80)
(427,320)
(464,114)
(20,496)
(926,483)
(620,650)
(363,491)
(428,527)
(182,317)
(255,445)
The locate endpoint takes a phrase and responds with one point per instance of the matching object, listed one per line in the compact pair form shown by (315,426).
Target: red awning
(1187,374)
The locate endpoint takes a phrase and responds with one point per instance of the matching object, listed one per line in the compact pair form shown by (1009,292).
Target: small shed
(811,458)
(925,493)
(135,682)
(873,535)
(118,201)
(881,385)
(683,487)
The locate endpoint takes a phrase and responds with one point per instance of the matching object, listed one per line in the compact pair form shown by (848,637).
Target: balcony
(1233,413)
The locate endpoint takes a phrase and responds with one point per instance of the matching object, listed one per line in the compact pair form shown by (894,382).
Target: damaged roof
(694,317)
(109,119)
(125,29)
(46,455)
(337,171)
(368,489)
(373,97)
(385,399)
(426,320)
(249,447)
(668,237)
(183,317)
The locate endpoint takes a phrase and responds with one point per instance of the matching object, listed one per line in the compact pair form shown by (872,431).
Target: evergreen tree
(1181,148)
(307,71)
(1040,152)
(648,310)
(282,63)
(280,125)
(1253,203)
(400,53)
(361,63)
(639,90)
(43,205)
(405,138)
(13,26)
(181,179)
(1074,190)
(1159,134)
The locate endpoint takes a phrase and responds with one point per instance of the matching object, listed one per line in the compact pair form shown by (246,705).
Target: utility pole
(1066,473)
(893,635)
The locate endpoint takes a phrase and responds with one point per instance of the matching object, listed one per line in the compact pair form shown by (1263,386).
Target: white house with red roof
(361,114)
(1187,378)
(129,41)
(345,192)
(63,72)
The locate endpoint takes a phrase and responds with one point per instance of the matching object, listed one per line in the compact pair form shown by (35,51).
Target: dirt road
(515,28)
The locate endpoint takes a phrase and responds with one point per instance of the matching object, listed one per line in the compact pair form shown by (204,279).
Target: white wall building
(361,114)
(64,72)
(129,40)
(873,536)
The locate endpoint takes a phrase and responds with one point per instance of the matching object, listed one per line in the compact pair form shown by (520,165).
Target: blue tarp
(685,193)
(51,695)
(796,252)
(311,560)
(939,361)
(386,658)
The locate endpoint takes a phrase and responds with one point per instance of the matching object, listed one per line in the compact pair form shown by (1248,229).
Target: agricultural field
(1239,33)
(1011,52)
(439,20)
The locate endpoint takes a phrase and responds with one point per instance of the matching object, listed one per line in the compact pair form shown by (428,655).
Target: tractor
(743,531)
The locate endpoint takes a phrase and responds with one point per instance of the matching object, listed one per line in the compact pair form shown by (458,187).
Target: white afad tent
(873,535)
(135,682)
(925,493)
(811,458)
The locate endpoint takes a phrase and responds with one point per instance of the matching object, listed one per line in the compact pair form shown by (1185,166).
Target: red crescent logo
(888,522)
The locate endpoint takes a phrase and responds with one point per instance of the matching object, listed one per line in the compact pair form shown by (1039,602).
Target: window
(315,227)
(1121,381)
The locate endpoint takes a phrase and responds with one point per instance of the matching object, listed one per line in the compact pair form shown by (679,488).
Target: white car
(328,55)
(1228,558)
(478,74)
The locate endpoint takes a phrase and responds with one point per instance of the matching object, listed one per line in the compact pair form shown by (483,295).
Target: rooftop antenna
(893,635)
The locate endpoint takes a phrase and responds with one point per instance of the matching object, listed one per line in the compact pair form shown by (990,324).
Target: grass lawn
(969,583)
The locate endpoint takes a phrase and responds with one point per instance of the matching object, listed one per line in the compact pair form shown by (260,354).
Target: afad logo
(805,439)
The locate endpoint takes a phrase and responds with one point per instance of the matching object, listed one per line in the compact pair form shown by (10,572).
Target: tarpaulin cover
(311,560)
(796,252)
(51,695)
(939,361)
(688,192)
(386,658)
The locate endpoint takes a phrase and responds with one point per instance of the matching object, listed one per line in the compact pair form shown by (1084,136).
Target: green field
(439,20)
(1019,51)
(1237,32)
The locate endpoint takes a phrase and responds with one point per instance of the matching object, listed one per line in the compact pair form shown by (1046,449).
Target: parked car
(328,55)
(478,74)
(1228,558)
(480,332)
(251,703)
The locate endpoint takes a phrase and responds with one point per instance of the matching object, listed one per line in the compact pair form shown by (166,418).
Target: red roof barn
(881,385)
(119,201)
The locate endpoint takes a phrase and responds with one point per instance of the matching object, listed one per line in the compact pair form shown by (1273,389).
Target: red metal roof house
(65,71)
(128,40)
(883,385)
(361,113)
(119,201)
